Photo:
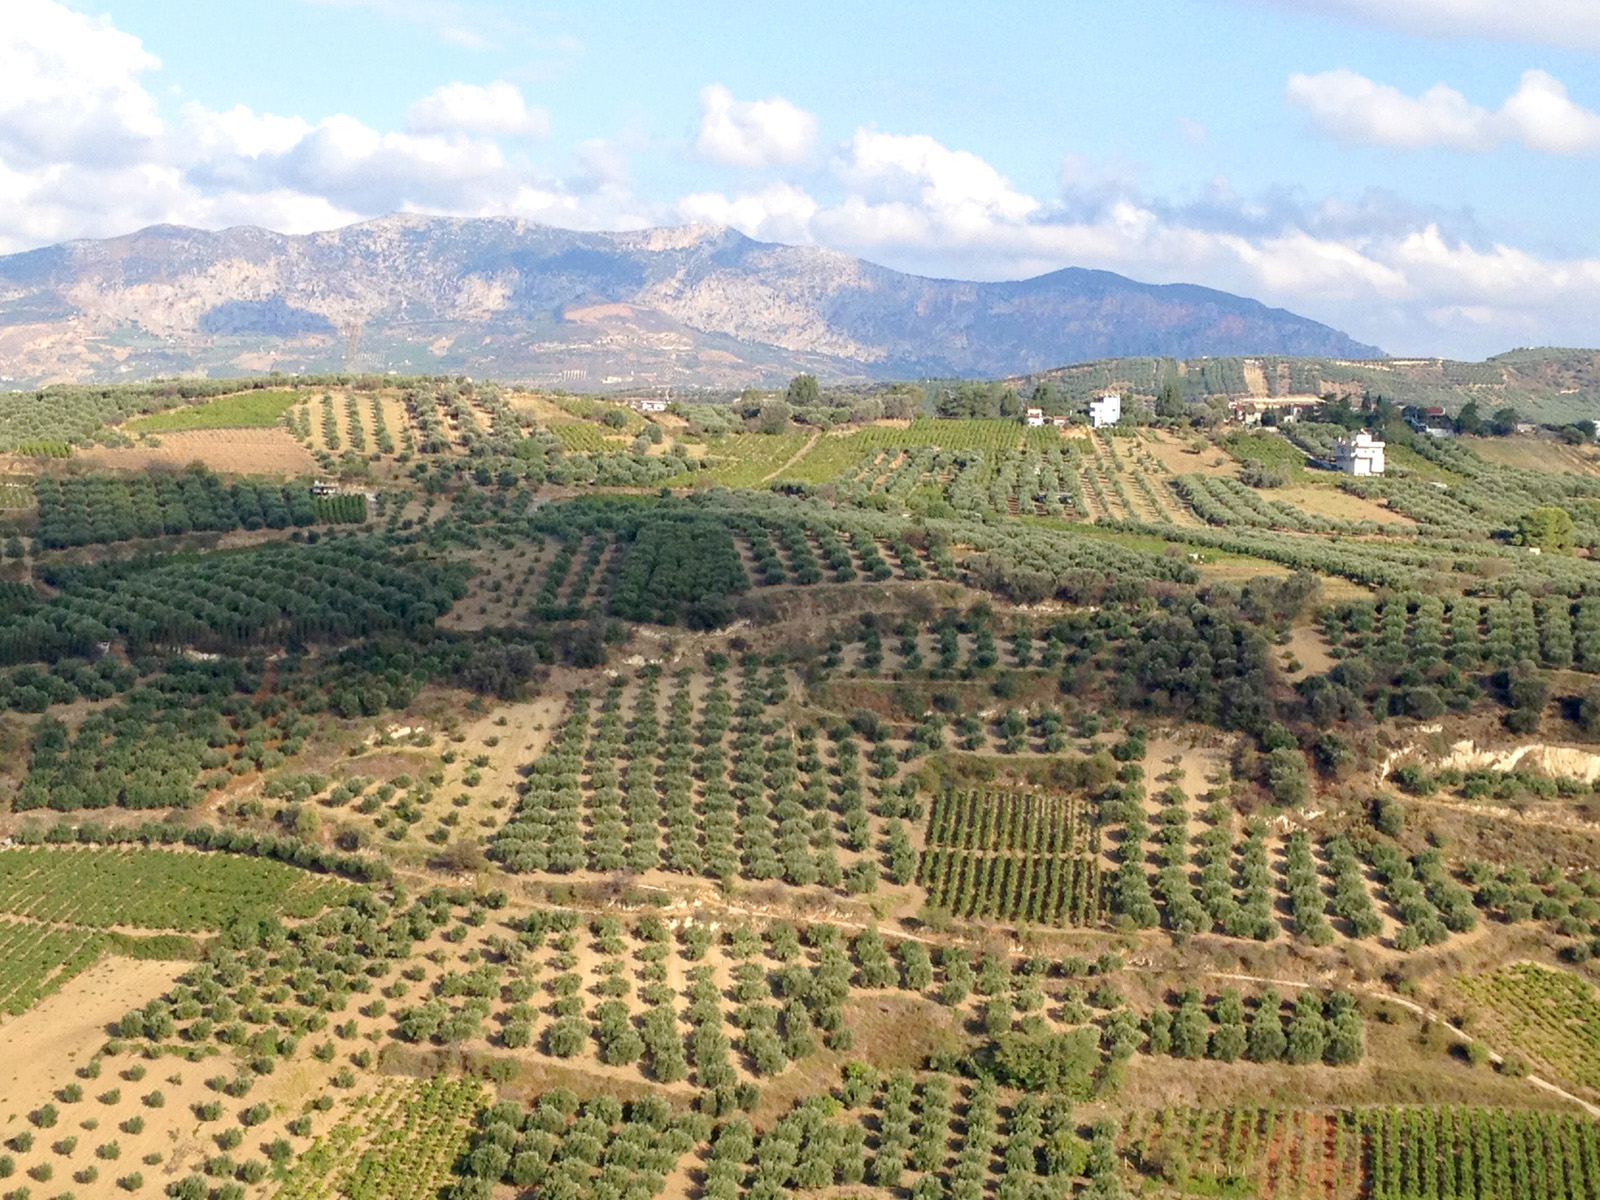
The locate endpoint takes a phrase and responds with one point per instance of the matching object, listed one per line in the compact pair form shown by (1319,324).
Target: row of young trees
(85,509)
(1328,1029)
(348,588)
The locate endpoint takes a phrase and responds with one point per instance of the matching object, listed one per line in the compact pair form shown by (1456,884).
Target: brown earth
(230,451)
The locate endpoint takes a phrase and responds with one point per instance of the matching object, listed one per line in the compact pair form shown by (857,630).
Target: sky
(1422,174)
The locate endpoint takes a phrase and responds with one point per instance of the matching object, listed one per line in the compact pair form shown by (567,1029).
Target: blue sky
(1420,173)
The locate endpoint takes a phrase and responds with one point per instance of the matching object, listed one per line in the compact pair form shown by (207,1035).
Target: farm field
(423,788)
(251,451)
(248,410)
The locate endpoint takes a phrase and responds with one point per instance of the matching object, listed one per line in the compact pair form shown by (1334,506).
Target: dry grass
(1323,500)
(892,1030)
(1400,1067)
(1538,454)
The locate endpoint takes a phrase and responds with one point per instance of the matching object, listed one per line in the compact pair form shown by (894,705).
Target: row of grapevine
(1431,1153)
(1025,821)
(1049,889)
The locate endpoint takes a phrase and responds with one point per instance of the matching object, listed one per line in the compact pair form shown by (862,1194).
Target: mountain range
(517,300)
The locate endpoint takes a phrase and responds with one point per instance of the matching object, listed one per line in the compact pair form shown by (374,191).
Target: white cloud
(85,150)
(498,108)
(1574,24)
(1357,111)
(780,212)
(72,88)
(752,133)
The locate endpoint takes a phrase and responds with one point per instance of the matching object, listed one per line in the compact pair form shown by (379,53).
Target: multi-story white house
(1035,417)
(1107,410)
(1359,455)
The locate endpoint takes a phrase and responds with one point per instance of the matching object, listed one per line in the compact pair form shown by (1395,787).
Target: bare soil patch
(1306,645)
(45,1045)
(1175,455)
(230,451)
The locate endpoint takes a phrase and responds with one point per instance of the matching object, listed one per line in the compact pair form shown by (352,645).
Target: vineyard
(1388,1153)
(38,961)
(248,410)
(1016,857)
(743,460)
(401,1142)
(155,889)
(1551,1015)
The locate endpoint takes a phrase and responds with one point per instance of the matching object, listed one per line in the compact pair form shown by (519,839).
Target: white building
(652,406)
(1107,410)
(1035,417)
(1360,455)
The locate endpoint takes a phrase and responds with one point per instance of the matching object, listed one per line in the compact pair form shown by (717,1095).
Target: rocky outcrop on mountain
(517,300)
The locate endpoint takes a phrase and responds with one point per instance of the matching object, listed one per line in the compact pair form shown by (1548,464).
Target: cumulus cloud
(780,212)
(1574,24)
(72,88)
(498,108)
(86,151)
(752,133)
(1356,111)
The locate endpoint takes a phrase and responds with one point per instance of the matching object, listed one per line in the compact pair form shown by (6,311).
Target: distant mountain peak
(489,296)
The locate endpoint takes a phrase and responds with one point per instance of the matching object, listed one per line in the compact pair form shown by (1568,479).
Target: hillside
(425,789)
(1547,384)
(514,299)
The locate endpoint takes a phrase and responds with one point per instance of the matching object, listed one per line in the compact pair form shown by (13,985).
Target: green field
(745,459)
(155,889)
(247,410)
(833,455)
(1270,450)
(586,435)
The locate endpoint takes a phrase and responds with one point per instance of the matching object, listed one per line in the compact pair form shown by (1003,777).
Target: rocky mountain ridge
(518,300)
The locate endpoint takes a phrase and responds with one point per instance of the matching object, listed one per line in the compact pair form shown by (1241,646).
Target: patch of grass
(247,410)
(1403,458)
(586,435)
(1270,449)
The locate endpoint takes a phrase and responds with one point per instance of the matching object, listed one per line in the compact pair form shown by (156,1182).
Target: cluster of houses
(1103,411)
(1285,410)
(1432,421)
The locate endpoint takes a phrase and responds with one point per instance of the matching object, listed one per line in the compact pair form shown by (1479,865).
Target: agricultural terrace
(248,410)
(417,787)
